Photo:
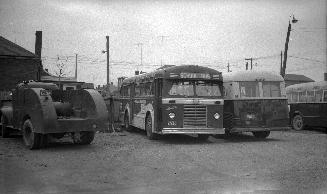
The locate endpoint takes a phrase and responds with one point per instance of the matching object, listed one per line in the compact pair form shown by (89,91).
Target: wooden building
(16,64)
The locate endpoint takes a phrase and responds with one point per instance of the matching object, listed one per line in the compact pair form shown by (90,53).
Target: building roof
(252,76)
(10,49)
(296,77)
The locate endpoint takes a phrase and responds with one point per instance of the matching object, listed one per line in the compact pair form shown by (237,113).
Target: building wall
(15,70)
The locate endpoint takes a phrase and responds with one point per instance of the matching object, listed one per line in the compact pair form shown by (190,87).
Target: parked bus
(308,104)
(184,99)
(255,101)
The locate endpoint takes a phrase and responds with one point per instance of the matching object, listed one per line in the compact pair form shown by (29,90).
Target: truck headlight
(171,115)
(216,116)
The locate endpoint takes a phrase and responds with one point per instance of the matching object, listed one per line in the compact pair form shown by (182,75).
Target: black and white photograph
(163,96)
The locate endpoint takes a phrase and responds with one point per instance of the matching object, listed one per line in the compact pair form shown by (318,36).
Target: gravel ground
(285,162)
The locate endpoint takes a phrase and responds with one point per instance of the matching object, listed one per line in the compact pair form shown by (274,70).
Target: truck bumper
(192,131)
(250,129)
(78,124)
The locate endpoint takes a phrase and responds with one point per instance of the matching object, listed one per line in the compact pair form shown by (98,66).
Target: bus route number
(171,123)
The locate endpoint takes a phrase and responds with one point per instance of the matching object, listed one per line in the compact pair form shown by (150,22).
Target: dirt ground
(285,162)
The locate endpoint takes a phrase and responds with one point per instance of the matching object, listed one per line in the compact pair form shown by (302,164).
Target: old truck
(41,111)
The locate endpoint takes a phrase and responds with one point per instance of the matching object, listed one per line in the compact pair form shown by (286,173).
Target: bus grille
(195,115)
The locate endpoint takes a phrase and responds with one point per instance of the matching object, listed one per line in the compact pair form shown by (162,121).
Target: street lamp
(286,43)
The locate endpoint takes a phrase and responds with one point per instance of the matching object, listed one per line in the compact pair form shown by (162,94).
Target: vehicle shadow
(64,143)
(243,137)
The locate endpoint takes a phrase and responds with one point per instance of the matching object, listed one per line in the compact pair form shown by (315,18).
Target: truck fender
(41,110)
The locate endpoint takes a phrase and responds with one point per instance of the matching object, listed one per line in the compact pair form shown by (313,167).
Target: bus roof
(251,75)
(176,72)
(307,86)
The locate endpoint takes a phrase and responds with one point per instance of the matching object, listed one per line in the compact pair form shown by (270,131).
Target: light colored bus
(184,99)
(308,104)
(255,101)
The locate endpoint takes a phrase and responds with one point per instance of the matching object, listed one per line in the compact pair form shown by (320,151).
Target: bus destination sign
(195,75)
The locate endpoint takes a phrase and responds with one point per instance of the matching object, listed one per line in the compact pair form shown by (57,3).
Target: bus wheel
(297,122)
(203,137)
(127,127)
(83,137)
(32,140)
(4,129)
(148,128)
(261,134)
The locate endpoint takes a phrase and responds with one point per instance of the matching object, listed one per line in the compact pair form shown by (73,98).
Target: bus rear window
(249,89)
(271,89)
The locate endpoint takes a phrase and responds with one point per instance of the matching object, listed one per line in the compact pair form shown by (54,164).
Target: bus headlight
(216,116)
(171,115)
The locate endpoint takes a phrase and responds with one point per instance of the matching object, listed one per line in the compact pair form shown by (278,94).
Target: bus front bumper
(193,131)
(251,129)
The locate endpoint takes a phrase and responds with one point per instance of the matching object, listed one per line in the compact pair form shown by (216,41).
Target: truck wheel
(4,130)
(261,134)
(32,140)
(85,137)
(148,128)
(297,122)
(203,137)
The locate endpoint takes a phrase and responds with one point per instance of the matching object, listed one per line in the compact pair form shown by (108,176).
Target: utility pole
(141,45)
(108,82)
(249,59)
(281,63)
(228,66)
(289,28)
(76,66)
(162,39)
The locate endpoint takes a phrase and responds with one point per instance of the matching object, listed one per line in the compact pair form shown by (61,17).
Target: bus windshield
(183,88)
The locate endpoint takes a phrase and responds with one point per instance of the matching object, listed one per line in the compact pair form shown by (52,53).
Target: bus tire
(148,128)
(85,137)
(4,129)
(298,122)
(32,140)
(261,134)
(203,137)
(126,125)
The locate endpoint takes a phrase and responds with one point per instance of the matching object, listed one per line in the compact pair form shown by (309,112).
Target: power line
(307,59)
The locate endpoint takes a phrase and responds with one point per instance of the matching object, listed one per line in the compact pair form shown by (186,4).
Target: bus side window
(137,90)
(302,97)
(289,97)
(325,95)
(318,95)
(310,96)
(294,96)
(128,90)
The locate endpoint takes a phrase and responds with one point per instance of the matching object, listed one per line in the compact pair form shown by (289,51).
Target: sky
(209,33)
